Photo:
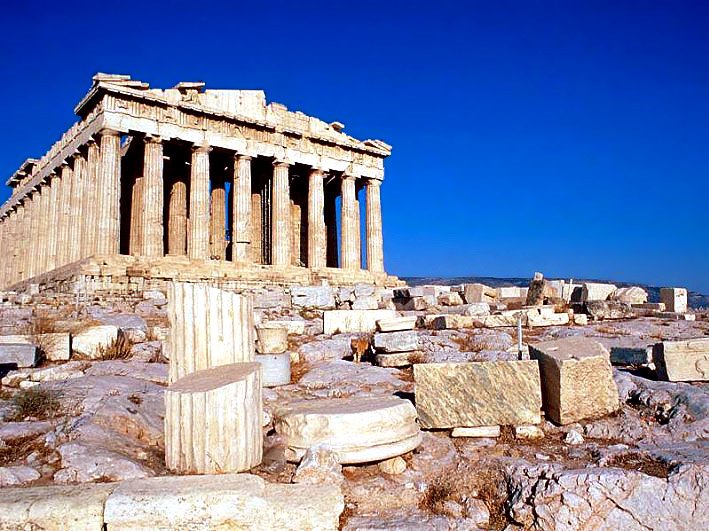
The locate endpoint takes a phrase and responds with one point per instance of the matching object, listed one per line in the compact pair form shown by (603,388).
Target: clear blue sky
(566,137)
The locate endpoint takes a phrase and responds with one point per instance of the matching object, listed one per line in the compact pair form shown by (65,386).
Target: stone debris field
(359,407)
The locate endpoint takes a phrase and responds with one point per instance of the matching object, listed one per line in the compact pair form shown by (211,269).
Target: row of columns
(70,215)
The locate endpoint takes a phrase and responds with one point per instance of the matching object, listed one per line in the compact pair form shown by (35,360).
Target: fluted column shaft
(33,224)
(217,222)
(136,217)
(76,217)
(349,254)
(9,262)
(109,188)
(281,216)
(64,244)
(53,221)
(317,237)
(375,238)
(3,246)
(241,216)
(151,242)
(177,219)
(41,234)
(91,201)
(198,244)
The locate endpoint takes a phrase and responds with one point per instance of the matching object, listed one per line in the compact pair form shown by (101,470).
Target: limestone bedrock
(450,395)
(577,379)
(358,430)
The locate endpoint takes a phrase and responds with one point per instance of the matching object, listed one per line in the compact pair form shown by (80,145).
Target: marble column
(358,229)
(20,251)
(241,215)
(9,262)
(25,239)
(198,244)
(4,245)
(136,217)
(77,211)
(177,219)
(317,237)
(52,221)
(109,193)
(32,223)
(349,257)
(65,195)
(151,219)
(41,234)
(375,240)
(91,200)
(217,221)
(281,213)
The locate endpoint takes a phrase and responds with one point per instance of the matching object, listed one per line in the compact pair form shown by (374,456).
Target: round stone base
(275,369)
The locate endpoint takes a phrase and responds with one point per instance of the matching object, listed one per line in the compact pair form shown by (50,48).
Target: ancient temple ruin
(188,183)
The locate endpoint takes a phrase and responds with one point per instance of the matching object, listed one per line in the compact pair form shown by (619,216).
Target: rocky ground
(645,466)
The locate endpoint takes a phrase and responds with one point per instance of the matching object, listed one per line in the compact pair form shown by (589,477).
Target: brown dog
(360,346)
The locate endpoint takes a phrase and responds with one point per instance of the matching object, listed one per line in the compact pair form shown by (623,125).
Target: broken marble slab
(478,431)
(92,342)
(403,341)
(345,321)
(477,292)
(397,324)
(359,430)
(399,359)
(596,291)
(675,299)
(54,346)
(682,361)
(629,295)
(600,310)
(20,355)
(450,395)
(577,379)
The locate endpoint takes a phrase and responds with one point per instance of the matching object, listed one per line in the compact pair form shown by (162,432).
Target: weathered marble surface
(54,346)
(91,342)
(344,321)
(682,361)
(404,341)
(396,324)
(19,354)
(450,395)
(675,299)
(577,379)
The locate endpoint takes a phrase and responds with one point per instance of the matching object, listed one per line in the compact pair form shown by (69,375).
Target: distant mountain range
(695,300)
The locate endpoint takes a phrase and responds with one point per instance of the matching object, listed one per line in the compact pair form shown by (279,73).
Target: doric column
(280,212)
(91,200)
(375,240)
(20,251)
(177,219)
(25,235)
(32,222)
(64,244)
(217,221)
(52,221)
(136,217)
(317,238)
(9,262)
(198,244)
(151,241)
(41,197)
(349,258)
(241,216)
(109,193)
(5,245)
(76,218)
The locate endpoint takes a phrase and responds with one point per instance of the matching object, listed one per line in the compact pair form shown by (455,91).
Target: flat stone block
(452,322)
(509,292)
(600,310)
(450,395)
(359,430)
(675,299)
(397,324)
(19,354)
(322,297)
(90,342)
(55,346)
(594,291)
(226,501)
(450,299)
(539,319)
(357,321)
(275,369)
(396,359)
(404,341)
(630,355)
(479,431)
(659,306)
(577,379)
(292,326)
(630,295)
(479,293)
(682,361)
(56,508)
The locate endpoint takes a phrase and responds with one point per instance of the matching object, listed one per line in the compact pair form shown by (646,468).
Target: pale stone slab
(509,292)
(404,341)
(682,361)
(226,501)
(479,293)
(275,369)
(59,508)
(675,299)
(396,359)
(19,354)
(397,324)
(528,432)
(577,379)
(450,299)
(322,297)
(600,310)
(478,431)
(90,343)
(365,303)
(595,291)
(358,321)
(538,319)
(271,339)
(450,395)
(630,295)
(359,429)
(580,319)
(295,327)
(452,322)
(55,346)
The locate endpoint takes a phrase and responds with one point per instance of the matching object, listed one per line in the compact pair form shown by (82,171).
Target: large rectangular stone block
(595,291)
(675,299)
(19,354)
(479,293)
(450,395)
(404,341)
(577,379)
(358,321)
(55,346)
(322,297)
(682,361)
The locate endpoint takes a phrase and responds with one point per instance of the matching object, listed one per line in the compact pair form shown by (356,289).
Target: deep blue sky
(565,137)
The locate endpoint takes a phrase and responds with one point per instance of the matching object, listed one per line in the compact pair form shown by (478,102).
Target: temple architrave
(187,183)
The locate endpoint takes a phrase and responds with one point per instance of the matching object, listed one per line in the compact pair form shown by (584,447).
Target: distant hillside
(696,300)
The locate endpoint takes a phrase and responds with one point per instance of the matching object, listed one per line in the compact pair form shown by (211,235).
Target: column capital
(242,156)
(196,148)
(152,139)
(282,162)
(106,131)
(317,170)
(63,164)
(347,177)
(373,182)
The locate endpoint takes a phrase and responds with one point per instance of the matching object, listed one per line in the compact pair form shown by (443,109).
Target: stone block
(364,290)
(580,319)
(396,324)
(600,310)
(452,322)
(682,361)
(595,291)
(627,355)
(479,293)
(538,319)
(477,308)
(397,359)
(479,431)
(630,295)
(675,299)
(271,339)
(509,292)
(226,501)
(676,316)
(55,346)
(577,379)
(365,303)
(294,327)
(321,297)
(358,429)
(403,341)
(450,395)
(18,354)
(658,306)
(450,299)
(59,508)
(91,342)
(275,369)
(353,321)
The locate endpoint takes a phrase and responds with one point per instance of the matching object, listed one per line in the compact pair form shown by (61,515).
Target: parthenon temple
(194,183)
